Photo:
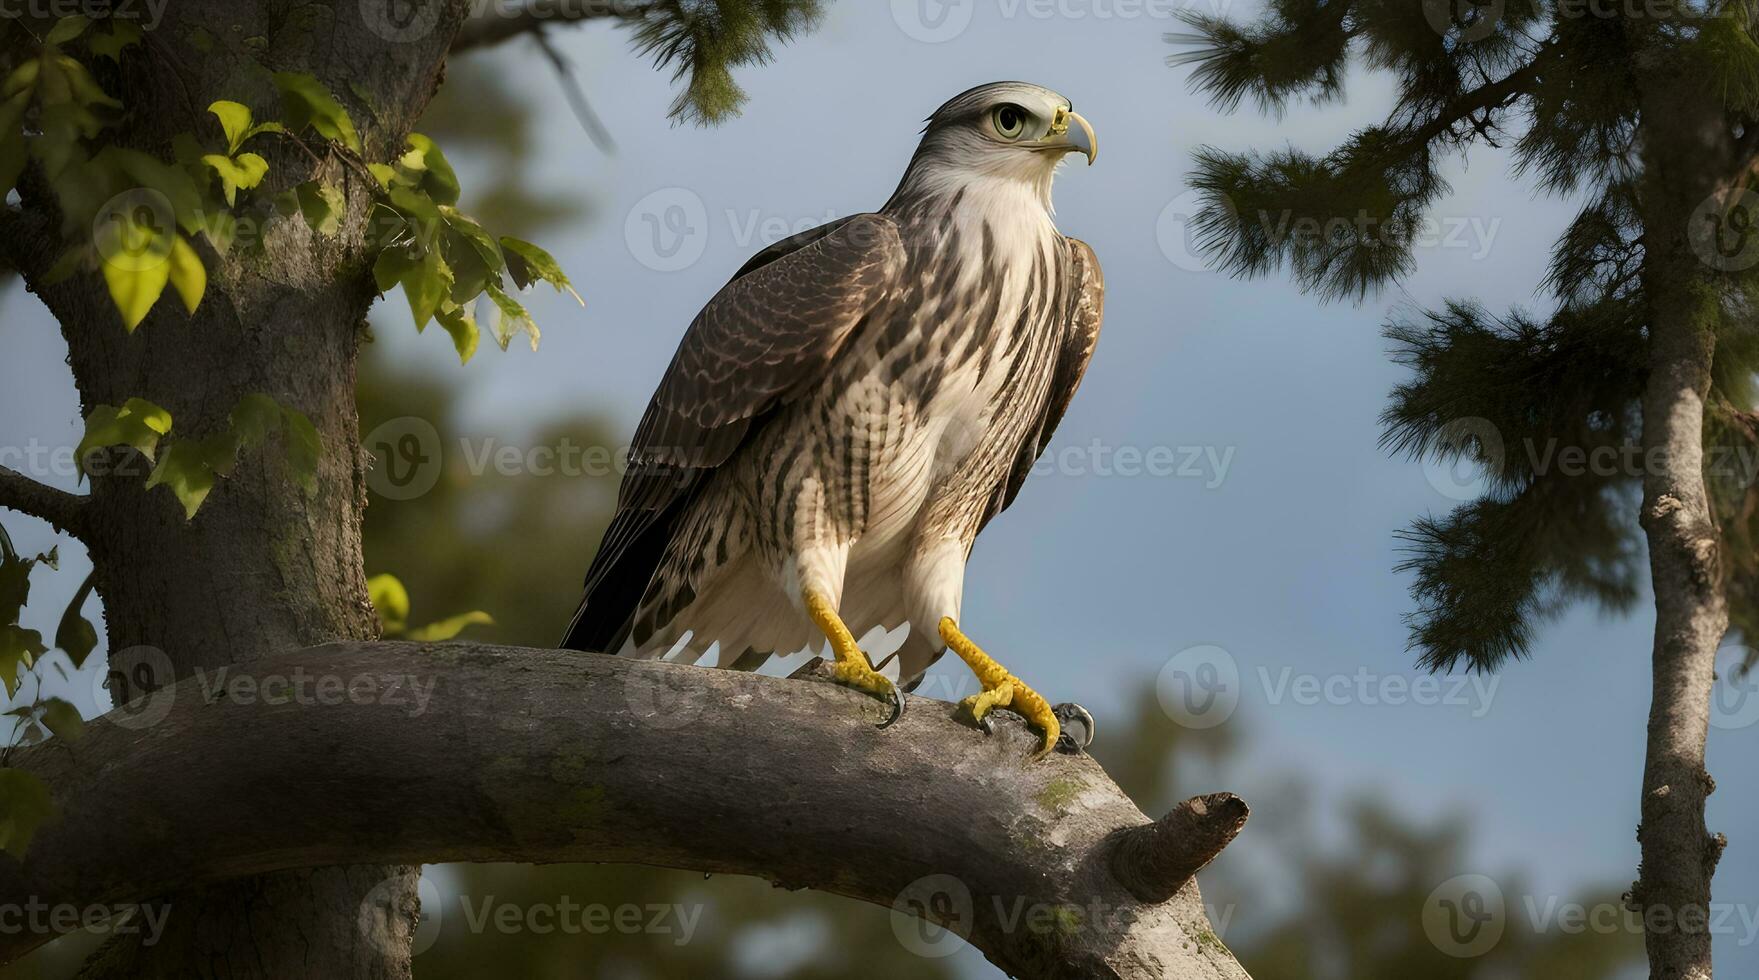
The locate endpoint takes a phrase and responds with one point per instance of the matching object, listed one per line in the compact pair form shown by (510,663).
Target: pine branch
(65,511)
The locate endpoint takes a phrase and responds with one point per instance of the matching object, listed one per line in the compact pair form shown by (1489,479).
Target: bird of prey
(852,408)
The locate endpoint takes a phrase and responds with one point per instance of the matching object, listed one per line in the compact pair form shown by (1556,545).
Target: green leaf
(136,284)
(450,627)
(19,648)
(24,806)
(172,181)
(384,172)
(75,635)
(62,718)
(527,263)
(390,600)
(303,447)
(438,178)
(23,78)
(186,467)
(241,172)
(235,121)
(254,418)
(138,424)
(392,265)
(308,103)
(67,29)
(322,206)
(462,326)
(512,319)
(123,33)
(188,276)
(425,285)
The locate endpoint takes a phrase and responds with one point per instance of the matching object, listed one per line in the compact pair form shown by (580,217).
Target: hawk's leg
(852,668)
(1000,689)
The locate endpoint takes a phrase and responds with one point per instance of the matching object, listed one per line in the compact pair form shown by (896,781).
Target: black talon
(1078,728)
(984,725)
(896,702)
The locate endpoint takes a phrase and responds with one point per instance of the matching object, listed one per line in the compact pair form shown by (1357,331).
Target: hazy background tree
(1648,112)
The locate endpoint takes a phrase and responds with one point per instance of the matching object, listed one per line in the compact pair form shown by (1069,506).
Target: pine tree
(1649,112)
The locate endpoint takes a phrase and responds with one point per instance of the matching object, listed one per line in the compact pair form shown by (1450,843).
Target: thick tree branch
(65,511)
(390,753)
(494,27)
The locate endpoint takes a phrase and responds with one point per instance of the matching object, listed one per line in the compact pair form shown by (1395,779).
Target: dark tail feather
(618,579)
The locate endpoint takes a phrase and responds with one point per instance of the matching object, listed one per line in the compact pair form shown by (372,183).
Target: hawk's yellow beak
(1071,132)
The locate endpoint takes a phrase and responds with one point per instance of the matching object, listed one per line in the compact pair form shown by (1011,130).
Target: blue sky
(1095,583)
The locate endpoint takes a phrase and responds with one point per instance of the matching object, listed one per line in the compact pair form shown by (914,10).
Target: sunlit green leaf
(24,806)
(242,172)
(186,467)
(390,600)
(511,319)
(527,263)
(384,172)
(188,276)
(426,285)
(308,103)
(450,627)
(439,180)
(462,327)
(136,282)
(234,122)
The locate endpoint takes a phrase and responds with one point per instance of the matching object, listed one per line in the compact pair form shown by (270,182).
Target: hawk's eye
(1010,121)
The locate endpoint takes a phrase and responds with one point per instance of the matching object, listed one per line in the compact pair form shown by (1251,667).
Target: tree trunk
(264,565)
(1687,152)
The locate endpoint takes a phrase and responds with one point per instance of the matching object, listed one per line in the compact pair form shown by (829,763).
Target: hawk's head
(1004,130)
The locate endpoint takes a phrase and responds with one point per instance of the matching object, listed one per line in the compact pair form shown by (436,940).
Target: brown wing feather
(768,335)
(1086,311)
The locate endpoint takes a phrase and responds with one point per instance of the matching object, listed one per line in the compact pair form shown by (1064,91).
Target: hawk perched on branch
(849,411)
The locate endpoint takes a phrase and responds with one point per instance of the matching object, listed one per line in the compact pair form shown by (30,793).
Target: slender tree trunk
(1687,148)
(264,565)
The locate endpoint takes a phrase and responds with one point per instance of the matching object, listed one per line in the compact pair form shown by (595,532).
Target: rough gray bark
(544,755)
(266,566)
(1688,159)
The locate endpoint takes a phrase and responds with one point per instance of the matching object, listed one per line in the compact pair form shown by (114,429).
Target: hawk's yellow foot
(1000,689)
(852,668)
